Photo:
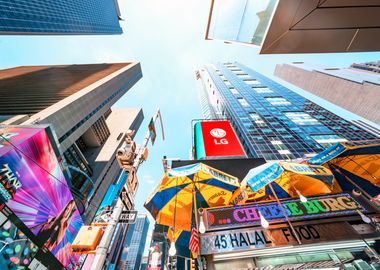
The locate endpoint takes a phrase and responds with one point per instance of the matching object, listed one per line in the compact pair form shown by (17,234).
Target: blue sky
(167,37)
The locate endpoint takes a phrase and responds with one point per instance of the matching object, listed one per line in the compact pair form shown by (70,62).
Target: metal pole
(286,216)
(105,242)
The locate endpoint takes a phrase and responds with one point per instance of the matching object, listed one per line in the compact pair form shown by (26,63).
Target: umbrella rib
(373,177)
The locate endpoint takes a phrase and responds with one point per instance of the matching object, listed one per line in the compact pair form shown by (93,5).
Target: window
(277,101)
(234,91)
(327,140)
(228,84)
(257,119)
(262,90)
(301,118)
(281,148)
(243,102)
(252,82)
(243,76)
(222,77)
(254,116)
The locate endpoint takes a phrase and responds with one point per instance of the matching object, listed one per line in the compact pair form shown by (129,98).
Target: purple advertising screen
(34,187)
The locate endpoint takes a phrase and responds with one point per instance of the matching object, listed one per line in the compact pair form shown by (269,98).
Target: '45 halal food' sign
(315,207)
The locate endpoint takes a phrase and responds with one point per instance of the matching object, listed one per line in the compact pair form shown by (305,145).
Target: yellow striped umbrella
(187,188)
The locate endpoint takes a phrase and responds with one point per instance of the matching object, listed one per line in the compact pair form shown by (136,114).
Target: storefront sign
(315,207)
(248,239)
(216,139)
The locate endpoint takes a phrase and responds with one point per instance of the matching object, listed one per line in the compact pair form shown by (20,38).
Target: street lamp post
(105,242)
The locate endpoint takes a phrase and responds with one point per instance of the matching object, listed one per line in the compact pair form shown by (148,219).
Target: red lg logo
(218,134)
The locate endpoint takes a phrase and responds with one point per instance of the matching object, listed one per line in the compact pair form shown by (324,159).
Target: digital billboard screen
(17,250)
(216,139)
(34,187)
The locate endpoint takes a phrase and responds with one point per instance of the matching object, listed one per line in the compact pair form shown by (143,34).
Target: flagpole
(285,215)
(196,222)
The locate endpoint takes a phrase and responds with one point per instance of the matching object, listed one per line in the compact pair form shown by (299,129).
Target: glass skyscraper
(134,244)
(59,17)
(271,121)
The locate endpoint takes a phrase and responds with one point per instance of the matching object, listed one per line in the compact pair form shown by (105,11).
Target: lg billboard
(216,139)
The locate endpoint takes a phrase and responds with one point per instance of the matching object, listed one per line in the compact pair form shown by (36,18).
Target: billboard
(34,187)
(17,250)
(247,215)
(216,139)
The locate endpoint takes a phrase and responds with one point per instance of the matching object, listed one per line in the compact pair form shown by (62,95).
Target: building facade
(134,244)
(356,89)
(270,120)
(76,100)
(367,127)
(296,26)
(373,66)
(65,17)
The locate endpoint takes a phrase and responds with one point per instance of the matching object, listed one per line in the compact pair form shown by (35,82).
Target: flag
(194,241)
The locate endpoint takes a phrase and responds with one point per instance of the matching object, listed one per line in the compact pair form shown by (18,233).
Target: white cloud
(148,179)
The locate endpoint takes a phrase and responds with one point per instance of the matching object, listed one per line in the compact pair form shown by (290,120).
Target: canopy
(186,188)
(287,180)
(359,161)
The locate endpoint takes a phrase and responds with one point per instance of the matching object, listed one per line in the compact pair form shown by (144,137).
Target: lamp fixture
(202,227)
(364,217)
(302,198)
(263,221)
(172,249)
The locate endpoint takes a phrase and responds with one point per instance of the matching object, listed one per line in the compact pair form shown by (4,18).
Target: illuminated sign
(38,193)
(216,139)
(315,207)
(248,239)
(9,183)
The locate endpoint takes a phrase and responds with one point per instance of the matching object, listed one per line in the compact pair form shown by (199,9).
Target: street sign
(128,217)
(125,199)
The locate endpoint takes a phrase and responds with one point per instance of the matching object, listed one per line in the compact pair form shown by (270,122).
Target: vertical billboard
(216,139)
(33,186)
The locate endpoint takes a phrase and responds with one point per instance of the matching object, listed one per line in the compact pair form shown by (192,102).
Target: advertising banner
(328,154)
(37,191)
(216,139)
(248,239)
(315,207)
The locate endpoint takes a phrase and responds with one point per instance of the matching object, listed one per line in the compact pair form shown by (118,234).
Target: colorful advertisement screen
(34,187)
(16,249)
(216,139)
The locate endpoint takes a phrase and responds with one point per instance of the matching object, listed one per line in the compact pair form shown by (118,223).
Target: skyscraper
(356,89)
(66,17)
(134,244)
(303,26)
(271,121)
(76,100)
